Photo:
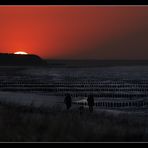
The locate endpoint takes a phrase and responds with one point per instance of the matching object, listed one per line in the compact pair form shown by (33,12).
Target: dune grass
(30,124)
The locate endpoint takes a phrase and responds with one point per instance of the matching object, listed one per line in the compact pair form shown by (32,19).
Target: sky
(75,32)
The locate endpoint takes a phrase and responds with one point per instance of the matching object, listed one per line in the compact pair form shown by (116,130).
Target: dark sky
(75,32)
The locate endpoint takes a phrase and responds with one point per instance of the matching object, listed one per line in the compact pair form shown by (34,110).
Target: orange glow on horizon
(21,52)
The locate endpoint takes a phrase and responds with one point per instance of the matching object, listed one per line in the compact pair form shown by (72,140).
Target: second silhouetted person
(68,101)
(90,102)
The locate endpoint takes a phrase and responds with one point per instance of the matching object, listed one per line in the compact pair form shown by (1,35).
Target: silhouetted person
(91,103)
(68,101)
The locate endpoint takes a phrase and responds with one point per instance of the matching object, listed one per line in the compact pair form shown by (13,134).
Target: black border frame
(73,2)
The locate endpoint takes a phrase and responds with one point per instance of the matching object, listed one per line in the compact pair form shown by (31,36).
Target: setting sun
(21,52)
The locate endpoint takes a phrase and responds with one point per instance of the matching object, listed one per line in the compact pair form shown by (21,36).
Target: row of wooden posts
(98,87)
(113,104)
(79,94)
(74,89)
(104,95)
(76,82)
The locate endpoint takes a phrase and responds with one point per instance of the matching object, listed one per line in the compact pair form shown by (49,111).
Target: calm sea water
(78,71)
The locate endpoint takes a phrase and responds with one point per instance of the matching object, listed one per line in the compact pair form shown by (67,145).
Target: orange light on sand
(21,52)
